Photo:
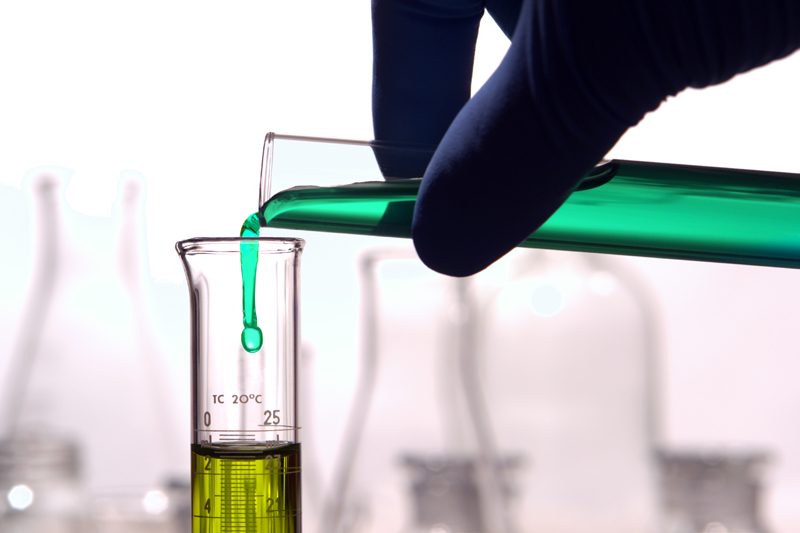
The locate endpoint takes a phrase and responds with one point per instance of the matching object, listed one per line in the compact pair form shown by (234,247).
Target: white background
(183,92)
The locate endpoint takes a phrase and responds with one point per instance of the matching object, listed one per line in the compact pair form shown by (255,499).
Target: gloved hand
(577,75)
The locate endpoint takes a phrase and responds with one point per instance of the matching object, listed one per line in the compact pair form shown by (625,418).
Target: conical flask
(415,455)
(86,367)
(569,361)
(521,399)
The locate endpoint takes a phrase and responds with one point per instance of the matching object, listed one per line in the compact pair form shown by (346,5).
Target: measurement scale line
(271,517)
(267,429)
(288,515)
(257,473)
(238,507)
(250,431)
(237,510)
(267,474)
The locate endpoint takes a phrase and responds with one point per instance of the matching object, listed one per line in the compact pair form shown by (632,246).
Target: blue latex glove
(578,74)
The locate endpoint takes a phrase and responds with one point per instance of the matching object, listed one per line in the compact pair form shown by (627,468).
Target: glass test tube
(245,432)
(621,207)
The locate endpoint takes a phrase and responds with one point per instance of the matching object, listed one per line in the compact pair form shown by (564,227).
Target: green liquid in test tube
(623,207)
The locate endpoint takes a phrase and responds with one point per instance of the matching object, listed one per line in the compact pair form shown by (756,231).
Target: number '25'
(272,417)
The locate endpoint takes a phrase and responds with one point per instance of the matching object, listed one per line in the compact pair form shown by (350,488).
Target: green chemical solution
(252,338)
(239,489)
(622,207)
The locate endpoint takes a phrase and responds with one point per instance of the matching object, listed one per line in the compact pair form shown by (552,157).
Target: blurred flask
(40,486)
(417,454)
(86,370)
(568,349)
(712,491)
(142,510)
(521,399)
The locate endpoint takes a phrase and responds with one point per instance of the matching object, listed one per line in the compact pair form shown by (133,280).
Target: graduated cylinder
(245,431)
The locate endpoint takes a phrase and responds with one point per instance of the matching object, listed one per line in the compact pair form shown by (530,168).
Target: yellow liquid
(246,489)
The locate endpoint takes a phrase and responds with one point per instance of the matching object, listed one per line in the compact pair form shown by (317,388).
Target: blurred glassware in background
(521,399)
(415,405)
(142,510)
(712,491)
(568,347)
(86,376)
(40,486)
(446,494)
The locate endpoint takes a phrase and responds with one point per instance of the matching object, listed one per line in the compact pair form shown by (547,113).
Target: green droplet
(252,339)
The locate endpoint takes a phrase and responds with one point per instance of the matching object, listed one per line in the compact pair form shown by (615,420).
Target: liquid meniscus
(252,338)
(246,489)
